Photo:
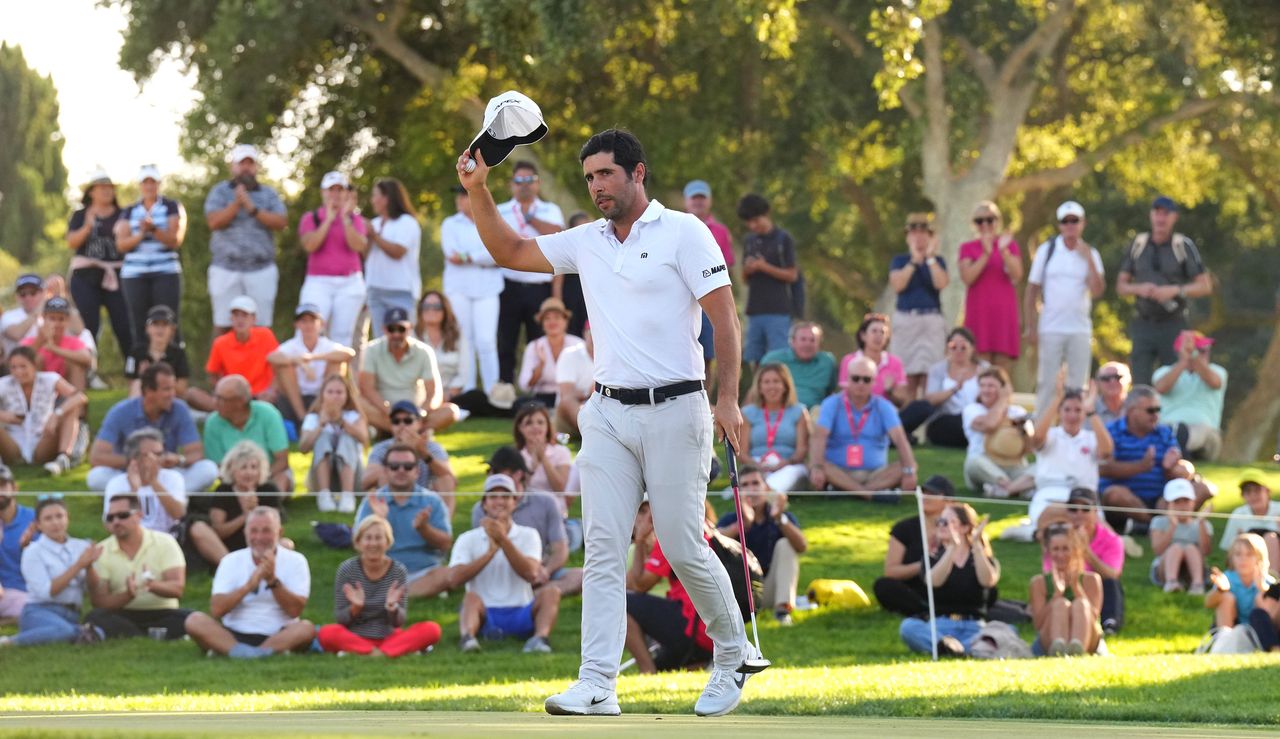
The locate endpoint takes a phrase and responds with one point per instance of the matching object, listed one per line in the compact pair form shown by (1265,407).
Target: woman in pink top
(548,460)
(991,267)
(538,367)
(873,343)
(334,238)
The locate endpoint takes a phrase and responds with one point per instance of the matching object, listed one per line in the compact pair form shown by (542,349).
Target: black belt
(650,396)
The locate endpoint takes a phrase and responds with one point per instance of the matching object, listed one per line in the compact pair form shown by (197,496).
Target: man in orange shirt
(243,351)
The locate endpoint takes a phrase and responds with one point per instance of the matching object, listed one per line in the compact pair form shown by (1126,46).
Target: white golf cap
(242,152)
(149,172)
(334,179)
(100,177)
(1177,489)
(245,304)
(510,119)
(1070,208)
(499,482)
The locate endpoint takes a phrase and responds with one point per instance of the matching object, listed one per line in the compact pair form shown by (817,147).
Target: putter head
(752,666)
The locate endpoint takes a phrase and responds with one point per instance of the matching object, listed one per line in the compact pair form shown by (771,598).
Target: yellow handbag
(838,594)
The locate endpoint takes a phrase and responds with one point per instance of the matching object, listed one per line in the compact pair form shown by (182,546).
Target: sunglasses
(401,466)
(863,379)
(919,227)
(1069,220)
(525,179)
(397,328)
(1108,378)
(1154,410)
(985,220)
(119,516)
(403,421)
(433,306)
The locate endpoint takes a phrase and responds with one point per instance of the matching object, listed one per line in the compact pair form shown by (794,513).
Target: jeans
(765,332)
(915,632)
(45,623)
(1112,602)
(381,300)
(90,298)
(145,291)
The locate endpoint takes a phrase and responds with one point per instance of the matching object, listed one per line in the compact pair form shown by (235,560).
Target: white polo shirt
(643,294)
(498,584)
(513,213)
(154,516)
(480,277)
(1064,286)
(258,612)
(295,348)
(1066,460)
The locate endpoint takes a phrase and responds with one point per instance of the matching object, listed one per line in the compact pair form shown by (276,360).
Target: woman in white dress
(39,414)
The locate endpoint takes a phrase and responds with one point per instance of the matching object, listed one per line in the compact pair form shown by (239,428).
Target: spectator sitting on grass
(950,386)
(243,351)
(258,595)
(302,363)
(138,580)
(160,344)
(1192,390)
(1113,388)
(889,377)
(1104,554)
(57,349)
(419,520)
(243,487)
(775,429)
(1265,619)
(1067,453)
(813,370)
(371,600)
(1235,594)
(55,568)
(1181,539)
(773,535)
(412,429)
(901,590)
(995,461)
(498,562)
(1066,600)
(335,433)
(240,417)
(963,573)
(15,533)
(1259,515)
(548,460)
(39,415)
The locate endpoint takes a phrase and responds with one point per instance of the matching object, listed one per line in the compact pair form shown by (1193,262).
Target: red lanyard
(856,430)
(520,220)
(771,432)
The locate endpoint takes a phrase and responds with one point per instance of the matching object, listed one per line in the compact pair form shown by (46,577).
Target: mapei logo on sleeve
(713,270)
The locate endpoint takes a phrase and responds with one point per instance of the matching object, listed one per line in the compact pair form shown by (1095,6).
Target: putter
(750,666)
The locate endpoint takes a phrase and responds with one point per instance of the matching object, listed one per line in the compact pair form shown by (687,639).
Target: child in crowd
(1236,593)
(1181,540)
(1259,515)
(336,432)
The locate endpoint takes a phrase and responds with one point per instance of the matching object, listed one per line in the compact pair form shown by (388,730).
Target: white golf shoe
(724,689)
(584,699)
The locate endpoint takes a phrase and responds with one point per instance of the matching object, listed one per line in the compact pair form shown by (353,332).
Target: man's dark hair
(49,502)
(625,147)
(130,498)
(524,164)
(752,206)
(26,353)
(400,449)
(506,460)
(748,469)
(153,372)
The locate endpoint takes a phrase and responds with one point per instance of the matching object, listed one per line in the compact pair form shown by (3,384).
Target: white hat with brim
(1070,208)
(149,172)
(1177,489)
(242,152)
(100,177)
(334,179)
(510,120)
(245,304)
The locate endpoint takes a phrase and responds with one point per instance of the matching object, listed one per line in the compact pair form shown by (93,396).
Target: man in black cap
(1161,269)
(410,429)
(398,367)
(60,352)
(302,363)
(159,344)
(19,323)
(902,589)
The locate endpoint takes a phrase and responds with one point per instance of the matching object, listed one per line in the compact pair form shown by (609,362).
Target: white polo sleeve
(227,577)
(295,572)
(1036,275)
(561,249)
(699,259)
(1097,262)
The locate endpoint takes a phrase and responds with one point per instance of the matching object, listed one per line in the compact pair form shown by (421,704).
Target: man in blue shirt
(156,408)
(773,535)
(850,444)
(15,522)
(419,521)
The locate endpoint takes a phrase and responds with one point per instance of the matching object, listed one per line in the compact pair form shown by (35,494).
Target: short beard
(4,502)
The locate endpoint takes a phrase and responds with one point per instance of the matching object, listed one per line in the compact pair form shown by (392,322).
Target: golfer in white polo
(646,273)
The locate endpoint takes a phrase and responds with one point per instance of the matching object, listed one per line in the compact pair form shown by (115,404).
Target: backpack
(1230,640)
(730,554)
(1140,242)
(999,640)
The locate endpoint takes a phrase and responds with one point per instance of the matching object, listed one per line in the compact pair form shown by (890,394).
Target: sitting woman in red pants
(370,599)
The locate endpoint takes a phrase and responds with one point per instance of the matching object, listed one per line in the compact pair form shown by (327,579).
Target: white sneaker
(324,502)
(584,699)
(347,503)
(463,414)
(724,689)
(58,465)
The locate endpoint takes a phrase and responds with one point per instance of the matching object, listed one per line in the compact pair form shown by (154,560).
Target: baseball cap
(149,172)
(334,179)
(406,406)
(242,152)
(1178,489)
(1083,495)
(499,482)
(1070,208)
(1164,202)
(696,188)
(29,280)
(1202,342)
(245,304)
(394,316)
(1251,476)
(307,309)
(57,305)
(161,314)
(510,119)
(939,485)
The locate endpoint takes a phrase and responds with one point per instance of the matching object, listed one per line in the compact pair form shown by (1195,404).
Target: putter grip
(731,462)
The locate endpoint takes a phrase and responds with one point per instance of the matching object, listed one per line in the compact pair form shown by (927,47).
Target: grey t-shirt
(1159,265)
(245,245)
(1183,533)
(538,511)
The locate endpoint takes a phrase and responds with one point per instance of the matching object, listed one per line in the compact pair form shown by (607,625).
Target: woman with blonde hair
(335,431)
(1066,601)
(244,483)
(776,427)
(991,267)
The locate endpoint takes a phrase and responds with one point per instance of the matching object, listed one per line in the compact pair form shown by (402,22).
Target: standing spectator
(335,433)
(991,268)
(157,408)
(55,568)
(901,590)
(411,428)
(438,328)
(1181,540)
(776,429)
(419,521)
(138,579)
(812,370)
(541,511)
(995,461)
(769,266)
(334,238)
(18,323)
(15,525)
(398,367)
(242,214)
(951,385)
(371,600)
(258,595)
(575,378)
(918,277)
(39,415)
(697,201)
(1113,388)
(1067,454)
(395,239)
(58,351)
(498,561)
(158,342)
(1259,515)
(303,362)
(243,350)
(538,367)
(1192,391)
(243,486)
(149,234)
(1161,269)
(95,280)
(850,444)
(773,535)
(524,292)
(473,282)
(241,417)
(1235,594)
(1066,600)
(1068,286)
(963,573)
(571,288)
(873,344)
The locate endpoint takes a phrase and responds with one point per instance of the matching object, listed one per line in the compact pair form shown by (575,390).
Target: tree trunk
(1255,416)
